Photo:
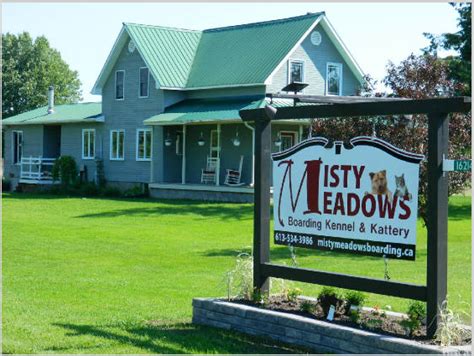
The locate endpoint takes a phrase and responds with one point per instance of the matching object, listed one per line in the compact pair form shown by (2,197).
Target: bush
(353,298)
(327,297)
(111,192)
(307,307)
(88,189)
(6,185)
(136,191)
(65,170)
(240,278)
(292,294)
(416,313)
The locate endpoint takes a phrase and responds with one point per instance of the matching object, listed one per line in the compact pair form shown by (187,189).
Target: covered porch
(193,133)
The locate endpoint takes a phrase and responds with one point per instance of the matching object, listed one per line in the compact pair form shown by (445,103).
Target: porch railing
(36,170)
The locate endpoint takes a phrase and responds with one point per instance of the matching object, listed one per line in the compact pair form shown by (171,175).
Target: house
(170,103)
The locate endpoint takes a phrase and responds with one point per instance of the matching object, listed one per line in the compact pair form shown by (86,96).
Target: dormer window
(296,71)
(119,84)
(334,79)
(144,82)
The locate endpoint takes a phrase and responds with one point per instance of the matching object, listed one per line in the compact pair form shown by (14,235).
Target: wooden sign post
(434,292)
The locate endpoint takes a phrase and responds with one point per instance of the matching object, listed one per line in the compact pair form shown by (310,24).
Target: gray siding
(32,146)
(71,145)
(128,114)
(315,59)
(226,92)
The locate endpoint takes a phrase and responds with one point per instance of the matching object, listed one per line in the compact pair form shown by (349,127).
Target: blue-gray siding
(315,59)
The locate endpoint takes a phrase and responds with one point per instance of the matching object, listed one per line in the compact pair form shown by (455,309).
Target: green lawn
(118,276)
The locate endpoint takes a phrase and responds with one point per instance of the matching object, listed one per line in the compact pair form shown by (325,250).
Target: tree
(416,77)
(29,68)
(460,65)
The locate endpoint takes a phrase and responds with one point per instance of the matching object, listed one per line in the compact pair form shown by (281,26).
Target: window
(88,143)
(296,71)
(214,144)
(119,84)
(144,80)
(334,79)
(143,144)
(288,139)
(17,146)
(116,145)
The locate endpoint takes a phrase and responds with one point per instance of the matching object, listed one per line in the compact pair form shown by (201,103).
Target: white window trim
(144,146)
(88,148)
(123,86)
(13,146)
(293,60)
(110,146)
(327,81)
(139,84)
(294,133)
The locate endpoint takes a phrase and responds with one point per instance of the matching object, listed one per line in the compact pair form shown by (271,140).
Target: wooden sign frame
(437,109)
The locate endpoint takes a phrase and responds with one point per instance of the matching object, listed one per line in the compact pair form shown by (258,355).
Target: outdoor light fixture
(201,141)
(236,140)
(168,140)
(277,142)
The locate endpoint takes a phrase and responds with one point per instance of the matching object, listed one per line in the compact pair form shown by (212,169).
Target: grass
(118,275)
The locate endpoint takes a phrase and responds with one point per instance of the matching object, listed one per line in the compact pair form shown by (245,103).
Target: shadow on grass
(180,338)
(459,211)
(200,209)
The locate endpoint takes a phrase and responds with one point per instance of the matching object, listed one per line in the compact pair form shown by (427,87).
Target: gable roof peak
(266,23)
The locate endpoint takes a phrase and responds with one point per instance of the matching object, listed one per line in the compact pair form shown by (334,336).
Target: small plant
(353,298)
(416,313)
(111,192)
(65,170)
(6,185)
(241,278)
(355,315)
(373,323)
(293,294)
(307,307)
(258,297)
(136,191)
(327,297)
(450,329)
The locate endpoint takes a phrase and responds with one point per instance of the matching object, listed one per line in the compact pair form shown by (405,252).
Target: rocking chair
(233,176)
(209,174)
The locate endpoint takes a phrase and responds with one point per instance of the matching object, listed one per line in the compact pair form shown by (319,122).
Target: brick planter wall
(318,335)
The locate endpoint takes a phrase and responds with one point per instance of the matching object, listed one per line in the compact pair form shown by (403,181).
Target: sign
(457,165)
(360,199)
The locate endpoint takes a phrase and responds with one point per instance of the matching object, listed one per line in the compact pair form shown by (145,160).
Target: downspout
(253,151)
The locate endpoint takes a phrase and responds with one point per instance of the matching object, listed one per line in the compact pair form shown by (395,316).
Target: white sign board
(360,199)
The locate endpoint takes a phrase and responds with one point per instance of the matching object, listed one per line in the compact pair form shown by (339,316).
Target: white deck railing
(36,170)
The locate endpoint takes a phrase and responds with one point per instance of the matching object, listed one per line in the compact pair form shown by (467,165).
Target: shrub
(416,313)
(327,297)
(354,315)
(6,184)
(293,294)
(241,278)
(136,191)
(111,192)
(307,307)
(354,298)
(65,170)
(450,329)
(88,189)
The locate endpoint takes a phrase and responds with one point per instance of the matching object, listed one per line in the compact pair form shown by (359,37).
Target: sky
(84,33)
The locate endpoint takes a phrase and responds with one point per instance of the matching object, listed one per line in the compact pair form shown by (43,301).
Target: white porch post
(218,170)
(300,138)
(183,167)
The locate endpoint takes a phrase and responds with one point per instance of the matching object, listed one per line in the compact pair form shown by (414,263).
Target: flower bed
(284,321)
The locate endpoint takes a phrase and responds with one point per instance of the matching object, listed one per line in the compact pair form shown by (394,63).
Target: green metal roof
(169,52)
(200,110)
(221,57)
(245,54)
(63,114)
